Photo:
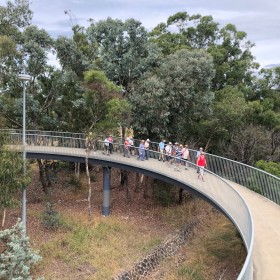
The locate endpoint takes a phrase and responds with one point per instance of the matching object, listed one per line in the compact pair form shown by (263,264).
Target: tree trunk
(89,189)
(4,218)
(137,179)
(124,182)
(77,169)
(44,176)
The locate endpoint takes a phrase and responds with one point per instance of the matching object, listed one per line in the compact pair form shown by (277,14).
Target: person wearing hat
(106,146)
(186,155)
(198,152)
(147,147)
(161,150)
(141,150)
(126,148)
(110,139)
(131,146)
(201,163)
(178,156)
(197,156)
(168,151)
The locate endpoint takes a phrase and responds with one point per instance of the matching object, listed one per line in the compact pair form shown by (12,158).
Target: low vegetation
(99,249)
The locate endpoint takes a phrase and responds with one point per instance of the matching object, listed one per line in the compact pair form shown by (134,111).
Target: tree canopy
(189,79)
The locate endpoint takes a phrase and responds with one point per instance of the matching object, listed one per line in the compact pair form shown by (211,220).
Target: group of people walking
(176,154)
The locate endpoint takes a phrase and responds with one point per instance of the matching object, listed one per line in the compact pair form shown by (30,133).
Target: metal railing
(253,178)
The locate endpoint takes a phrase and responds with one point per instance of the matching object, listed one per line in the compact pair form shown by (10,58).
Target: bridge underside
(107,177)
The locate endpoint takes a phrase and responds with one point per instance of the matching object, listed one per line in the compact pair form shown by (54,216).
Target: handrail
(251,177)
(235,208)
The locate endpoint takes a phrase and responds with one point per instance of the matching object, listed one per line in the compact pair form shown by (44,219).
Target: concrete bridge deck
(266,217)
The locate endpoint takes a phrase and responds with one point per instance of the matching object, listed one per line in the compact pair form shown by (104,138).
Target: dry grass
(103,247)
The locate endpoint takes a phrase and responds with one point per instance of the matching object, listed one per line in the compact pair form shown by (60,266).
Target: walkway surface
(266,218)
(266,214)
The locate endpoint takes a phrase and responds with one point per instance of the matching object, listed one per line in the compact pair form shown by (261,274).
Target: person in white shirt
(186,156)
(147,147)
(168,151)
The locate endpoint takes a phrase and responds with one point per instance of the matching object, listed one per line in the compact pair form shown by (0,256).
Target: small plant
(93,178)
(189,271)
(17,259)
(75,183)
(50,217)
(164,194)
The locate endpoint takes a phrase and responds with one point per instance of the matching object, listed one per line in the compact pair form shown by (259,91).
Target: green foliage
(75,182)
(118,115)
(269,166)
(50,217)
(193,271)
(18,258)
(164,194)
(223,244)
(125,53)
(94,76)
(11,174)
(174,98)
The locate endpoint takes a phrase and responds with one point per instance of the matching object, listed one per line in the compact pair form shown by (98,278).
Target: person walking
(178,157)
(110,138)
(126,146)
(147,147)
(161,150)
(141,150)
(131,146)
(197,156)
(168,151)
(186,156)
(201,163)
(198,152)
(106,146)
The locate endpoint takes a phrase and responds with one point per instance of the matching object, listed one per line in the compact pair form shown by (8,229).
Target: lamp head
(24,77)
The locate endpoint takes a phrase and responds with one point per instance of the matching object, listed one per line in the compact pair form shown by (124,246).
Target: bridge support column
(106,190)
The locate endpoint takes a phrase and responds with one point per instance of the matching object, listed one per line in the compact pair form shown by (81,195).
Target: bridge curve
(227,196)
(237,210)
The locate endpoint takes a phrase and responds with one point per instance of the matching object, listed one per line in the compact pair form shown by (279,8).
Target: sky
(258,18)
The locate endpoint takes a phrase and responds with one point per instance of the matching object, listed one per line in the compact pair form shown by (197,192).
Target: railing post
(106,190)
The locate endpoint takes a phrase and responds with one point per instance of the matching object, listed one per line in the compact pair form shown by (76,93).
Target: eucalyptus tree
(124,51)
(71,57)
(170,100)
(14,17)
(182,30)
(11,176)
(98,91)
(232,57)
(231,51)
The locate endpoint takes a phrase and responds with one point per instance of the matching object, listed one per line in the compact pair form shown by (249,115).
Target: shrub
(50,217)
(75,183)
(17,259)
(164,194)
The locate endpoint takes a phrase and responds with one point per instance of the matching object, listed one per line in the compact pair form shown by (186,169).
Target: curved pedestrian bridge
(255,216)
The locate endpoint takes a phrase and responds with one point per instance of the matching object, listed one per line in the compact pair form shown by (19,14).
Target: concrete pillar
(106,190)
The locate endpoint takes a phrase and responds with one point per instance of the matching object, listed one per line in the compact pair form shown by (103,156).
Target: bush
(75,183)
(50,217)
(17,259)
(270,167)
(164,194)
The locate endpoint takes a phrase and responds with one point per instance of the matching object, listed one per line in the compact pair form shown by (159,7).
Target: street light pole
(24,78)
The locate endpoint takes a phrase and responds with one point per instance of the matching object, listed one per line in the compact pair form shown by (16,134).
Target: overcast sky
(258,18)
